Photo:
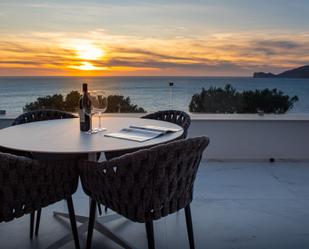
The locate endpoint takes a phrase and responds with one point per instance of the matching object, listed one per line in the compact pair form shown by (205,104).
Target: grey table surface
(64,136)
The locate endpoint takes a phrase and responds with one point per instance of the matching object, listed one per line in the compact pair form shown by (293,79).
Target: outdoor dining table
(63,136)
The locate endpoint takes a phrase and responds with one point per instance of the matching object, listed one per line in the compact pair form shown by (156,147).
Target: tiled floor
(236,205)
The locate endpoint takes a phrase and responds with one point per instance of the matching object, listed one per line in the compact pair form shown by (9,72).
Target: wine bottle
(85,110)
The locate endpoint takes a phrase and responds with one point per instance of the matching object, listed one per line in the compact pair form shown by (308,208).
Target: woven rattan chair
(35,116)
(146,185)
(41,115)
(27,185)
(173,116)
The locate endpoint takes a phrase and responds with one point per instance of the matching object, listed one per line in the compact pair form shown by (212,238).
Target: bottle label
(82,115)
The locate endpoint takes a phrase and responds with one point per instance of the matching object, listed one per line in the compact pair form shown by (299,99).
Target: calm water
(151,93)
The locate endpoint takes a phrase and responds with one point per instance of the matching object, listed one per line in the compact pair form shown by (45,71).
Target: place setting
(91,104)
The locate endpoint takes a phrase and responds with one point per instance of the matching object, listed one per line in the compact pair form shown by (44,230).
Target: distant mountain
(264,75)
(300,72)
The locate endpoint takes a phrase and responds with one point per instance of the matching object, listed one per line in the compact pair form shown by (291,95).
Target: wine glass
(99,101)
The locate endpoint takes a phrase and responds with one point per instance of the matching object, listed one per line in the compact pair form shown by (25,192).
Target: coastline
(151,92)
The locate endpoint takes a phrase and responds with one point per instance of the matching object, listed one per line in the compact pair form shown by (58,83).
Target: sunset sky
(196,38)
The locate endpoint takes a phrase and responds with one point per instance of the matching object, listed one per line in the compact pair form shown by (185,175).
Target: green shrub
(72,101)
(48,102)
(116,103)
(228,100)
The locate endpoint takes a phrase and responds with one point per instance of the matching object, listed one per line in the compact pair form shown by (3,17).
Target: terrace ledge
(209,117)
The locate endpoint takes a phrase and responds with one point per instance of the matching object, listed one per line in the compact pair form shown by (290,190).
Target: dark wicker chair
(146,185)
(173,116)
(27,185)
(41,115)
(35,116)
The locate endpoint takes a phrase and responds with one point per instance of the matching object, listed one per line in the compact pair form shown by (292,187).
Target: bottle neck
(85,87)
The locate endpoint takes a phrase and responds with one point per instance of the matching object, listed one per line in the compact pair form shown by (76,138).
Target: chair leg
(93,206)
(150,235)
(73,222)
(189,226)
(99,209)
(32,224)
(38,219)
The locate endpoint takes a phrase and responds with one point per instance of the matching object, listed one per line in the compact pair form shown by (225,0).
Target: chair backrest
(173,116)
(41,115)
(147,184)
(27,185)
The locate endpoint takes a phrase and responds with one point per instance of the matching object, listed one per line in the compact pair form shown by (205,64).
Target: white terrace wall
(253,137)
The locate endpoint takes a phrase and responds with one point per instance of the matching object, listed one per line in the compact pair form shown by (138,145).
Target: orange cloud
(99,53)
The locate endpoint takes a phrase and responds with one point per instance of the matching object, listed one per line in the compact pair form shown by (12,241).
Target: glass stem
(100,120)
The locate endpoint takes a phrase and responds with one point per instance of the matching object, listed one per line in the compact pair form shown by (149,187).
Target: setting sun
(87,66)
(88,51)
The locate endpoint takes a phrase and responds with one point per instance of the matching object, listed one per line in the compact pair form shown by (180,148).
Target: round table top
(64,136)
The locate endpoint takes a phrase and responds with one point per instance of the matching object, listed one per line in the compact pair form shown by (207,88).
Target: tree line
(69,103)
(212,100)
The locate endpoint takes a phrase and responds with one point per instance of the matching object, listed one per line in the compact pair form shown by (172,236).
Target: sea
(151,93)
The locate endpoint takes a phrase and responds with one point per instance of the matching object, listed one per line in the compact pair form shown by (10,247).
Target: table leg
(69,237)
(92,157)
(108,233)
(79,218)
(83,219)
(98,224)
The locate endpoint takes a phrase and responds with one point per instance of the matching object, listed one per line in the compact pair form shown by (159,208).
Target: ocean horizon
(150,92)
